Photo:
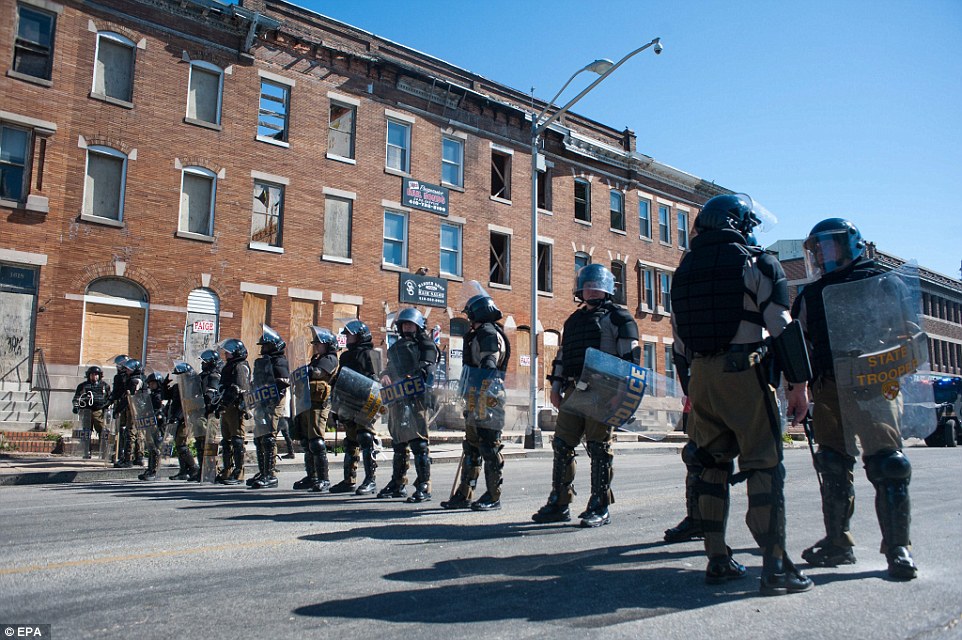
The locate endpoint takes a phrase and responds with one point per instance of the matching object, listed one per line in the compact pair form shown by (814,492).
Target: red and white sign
(204,326)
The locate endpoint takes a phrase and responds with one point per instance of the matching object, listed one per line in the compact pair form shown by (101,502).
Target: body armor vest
(282,369)
(235,372)
(99,392)
(119,393)
(135,382)
(358,358)
(174,409)
(816,323)
(582,330)
(487,338)
(708,291)
(404,359)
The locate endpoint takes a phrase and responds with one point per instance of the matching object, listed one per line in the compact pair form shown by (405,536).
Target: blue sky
(817,109)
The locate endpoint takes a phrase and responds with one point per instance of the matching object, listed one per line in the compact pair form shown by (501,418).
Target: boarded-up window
(343,313)
(203,95)
(115,315)
(197,201)
(114,68)
(104,183)
(303,315)
(337,227)
(256,313)
(521,353)
(340,135)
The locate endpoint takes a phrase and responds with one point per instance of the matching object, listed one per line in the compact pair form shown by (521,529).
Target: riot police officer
(234,414)
(187,468)
(725,292)
(486,348)
(118,402)
(412,360)
(272,353)
(206,446)
(309,426)
(135,437)
(835,251)
(601,324)
(92,396)
(359,440)
(155,385)
(690,526)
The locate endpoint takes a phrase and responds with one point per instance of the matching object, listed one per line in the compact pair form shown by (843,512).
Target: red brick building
(175,173)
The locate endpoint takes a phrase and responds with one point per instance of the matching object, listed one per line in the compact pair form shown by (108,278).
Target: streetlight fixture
(603,68)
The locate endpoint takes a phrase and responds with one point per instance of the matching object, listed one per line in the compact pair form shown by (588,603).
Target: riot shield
(406,401)
(300,387)
(877,342)
(208,471)
(108,439)
(484,397)
(145,419)
(609,391)
(191,390)
(661,409)
(264,396)
(356,397)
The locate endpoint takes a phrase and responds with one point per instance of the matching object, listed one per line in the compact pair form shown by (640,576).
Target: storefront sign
(422,290)
(422,195)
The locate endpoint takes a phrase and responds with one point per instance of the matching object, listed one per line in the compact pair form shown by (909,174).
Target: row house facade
(176,173)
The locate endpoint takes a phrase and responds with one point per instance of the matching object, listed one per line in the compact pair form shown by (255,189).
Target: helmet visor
(827,251)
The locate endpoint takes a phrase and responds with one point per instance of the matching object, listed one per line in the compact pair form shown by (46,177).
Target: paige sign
(422,290)
(422,195)
(204,326)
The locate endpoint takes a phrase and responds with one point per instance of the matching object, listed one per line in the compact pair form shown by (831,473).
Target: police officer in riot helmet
(155,385)
(310,425)
(725,294)
(118,402)
(835,253)
(359,440)
(210,366)
(187,467)
(601,324)
(486,346)
(92,395)
(135,381)
(235,416)
(413,356)
(272,348)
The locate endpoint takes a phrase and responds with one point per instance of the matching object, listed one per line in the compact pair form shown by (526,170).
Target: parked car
(948,397)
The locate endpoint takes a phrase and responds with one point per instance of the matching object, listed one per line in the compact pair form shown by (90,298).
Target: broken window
(500,174)
(114,67)
(272,112)
(583,200)
(33,47)
(500,258)
(268,209)
(340,134)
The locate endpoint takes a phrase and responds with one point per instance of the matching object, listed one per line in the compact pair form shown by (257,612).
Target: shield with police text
(299,357)
(483,394)
(356,397)
(661,408)
(191,390)
(878,343)
(145,419)
(407,403)
(609,391)
(264,396)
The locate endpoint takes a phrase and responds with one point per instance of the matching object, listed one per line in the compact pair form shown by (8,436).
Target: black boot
(310,479)
(596,514)
(319,451)
(123,453)
(396,487)
(227,457)
(470,471)
(690,527)
(196,467)
(562,475)
(237,474)
(268,479)
(838,504)
(350,468)
(422,465)
(493,464)
(890,473)
(259,454)
(369,485)
(185,460)
(153,461)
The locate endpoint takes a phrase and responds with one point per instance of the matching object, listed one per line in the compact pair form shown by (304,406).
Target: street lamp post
(603,68)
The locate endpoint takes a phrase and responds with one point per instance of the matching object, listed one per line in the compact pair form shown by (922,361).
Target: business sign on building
(423,195)
(422,290)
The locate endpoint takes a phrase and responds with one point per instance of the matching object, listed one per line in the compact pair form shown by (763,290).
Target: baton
(810,437)
(457,474)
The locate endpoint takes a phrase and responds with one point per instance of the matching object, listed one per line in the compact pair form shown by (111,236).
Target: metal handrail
(40,381)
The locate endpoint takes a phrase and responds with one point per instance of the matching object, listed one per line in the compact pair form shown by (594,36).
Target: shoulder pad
(624,321)
(769,265)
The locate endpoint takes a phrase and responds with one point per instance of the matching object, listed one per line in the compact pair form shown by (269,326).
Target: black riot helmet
(357,328)
(730,211)
(832,244)
(181,368)
(119,360)
(133,366)
(209,359)
(320,335)
(481,308)
(234,349)
(271,341)
(409,315)
(155,378)
(95,370)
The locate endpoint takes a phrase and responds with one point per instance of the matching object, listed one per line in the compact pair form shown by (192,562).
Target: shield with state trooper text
(610,389)
(483,394)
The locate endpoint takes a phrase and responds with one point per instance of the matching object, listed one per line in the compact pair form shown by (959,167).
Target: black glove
(76,409)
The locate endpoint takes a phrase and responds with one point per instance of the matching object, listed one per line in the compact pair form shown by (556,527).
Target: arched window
(115,321)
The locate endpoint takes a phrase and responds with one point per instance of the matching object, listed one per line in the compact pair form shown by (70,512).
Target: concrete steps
(20,408)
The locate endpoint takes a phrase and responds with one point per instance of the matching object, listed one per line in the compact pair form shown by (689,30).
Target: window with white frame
(14,149)
(644,218)
(197,197)
(33,45)
(664,223)
(395,238)
(665,293)
(500,174)
(398,154)
(499,260)
(649,354)
(272,111)
(340,130)
(452,161)
(268,214)
(114,67)
(647,278)
(682,229)
(451,249)
(204,92)
(545,251)
(583,200)
(582,260)
(617,210)
(338,222)
(105,183)
(618,271)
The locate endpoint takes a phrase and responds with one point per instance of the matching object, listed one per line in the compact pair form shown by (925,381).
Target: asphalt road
(169,560)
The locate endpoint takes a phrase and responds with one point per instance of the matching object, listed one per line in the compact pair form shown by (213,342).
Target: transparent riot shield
(407,401)
(661,409)
(356,397)
(483,394)
(208,470)
(877,343)
(299,354)
(191,390)
(264,396)
(108,439)
(145,419)
(609,391)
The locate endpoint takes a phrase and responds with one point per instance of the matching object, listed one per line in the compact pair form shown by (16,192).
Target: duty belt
(747,347)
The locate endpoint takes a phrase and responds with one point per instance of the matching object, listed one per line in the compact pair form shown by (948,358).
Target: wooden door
(303,314)
(551,346)
(521,352)
(255,315)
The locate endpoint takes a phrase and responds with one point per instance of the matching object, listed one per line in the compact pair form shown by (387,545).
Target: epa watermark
(25,631)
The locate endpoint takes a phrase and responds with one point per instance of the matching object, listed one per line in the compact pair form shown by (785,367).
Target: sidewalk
(26,468)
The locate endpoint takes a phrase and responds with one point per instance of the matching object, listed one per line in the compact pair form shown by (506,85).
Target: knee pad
(472,454)
(365,439)
(419,447)
(317,445)
(689,458)
(226,444)
(561,448)
(830,461)
(237,443)
(889,465)
(599,450)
